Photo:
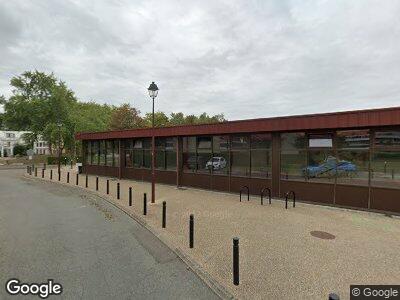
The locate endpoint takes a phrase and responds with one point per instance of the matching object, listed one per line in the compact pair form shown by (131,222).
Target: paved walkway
(81,241)
(279,258)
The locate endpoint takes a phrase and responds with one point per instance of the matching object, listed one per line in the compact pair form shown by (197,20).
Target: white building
(41,147)
(8,140)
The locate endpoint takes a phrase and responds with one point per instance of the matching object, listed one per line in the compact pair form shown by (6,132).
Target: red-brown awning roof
(338,120)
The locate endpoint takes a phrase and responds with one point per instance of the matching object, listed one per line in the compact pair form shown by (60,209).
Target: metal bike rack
(248,192)
(288,195)
(262,195)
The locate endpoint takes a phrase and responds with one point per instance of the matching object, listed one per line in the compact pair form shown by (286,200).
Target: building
(41,147)
(9,139)
(348,159)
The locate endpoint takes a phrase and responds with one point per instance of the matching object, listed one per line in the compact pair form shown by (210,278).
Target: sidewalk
(279,258)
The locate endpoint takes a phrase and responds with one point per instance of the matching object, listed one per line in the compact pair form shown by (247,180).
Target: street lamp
(153,92)
(59,147)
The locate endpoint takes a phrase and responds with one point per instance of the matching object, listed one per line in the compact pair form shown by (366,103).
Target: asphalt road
(95,251)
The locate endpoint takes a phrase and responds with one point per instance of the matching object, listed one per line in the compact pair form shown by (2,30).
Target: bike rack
(287,196)
(248,192)
(262,195)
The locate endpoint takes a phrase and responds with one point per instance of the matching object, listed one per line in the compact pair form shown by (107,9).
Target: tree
(125,117)
(177,119)
(20,149)
(160,119)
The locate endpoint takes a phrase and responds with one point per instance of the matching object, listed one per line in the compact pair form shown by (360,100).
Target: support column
(121,158)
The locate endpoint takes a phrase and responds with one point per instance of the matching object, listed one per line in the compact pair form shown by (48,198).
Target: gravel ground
(279,258)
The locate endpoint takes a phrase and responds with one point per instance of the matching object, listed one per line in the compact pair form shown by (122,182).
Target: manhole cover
(322,235)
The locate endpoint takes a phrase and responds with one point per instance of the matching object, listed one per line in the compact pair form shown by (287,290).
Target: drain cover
(322,235)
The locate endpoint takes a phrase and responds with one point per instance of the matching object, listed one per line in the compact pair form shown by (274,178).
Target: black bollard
(77,179)
(51,174)
(59,175)
(27,169)
(164,214)
(97,183)
(144,204)
(71,164)
(236,261)
(333,296)
(67,177)
(130,196)
(42,173)
(108,186)
(35,172)
(86,181)
(191,231)
(118,191)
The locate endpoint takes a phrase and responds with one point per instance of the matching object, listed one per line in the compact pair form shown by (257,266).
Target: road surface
(95,251)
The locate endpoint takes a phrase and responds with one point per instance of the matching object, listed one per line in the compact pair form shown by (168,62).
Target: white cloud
(246,59)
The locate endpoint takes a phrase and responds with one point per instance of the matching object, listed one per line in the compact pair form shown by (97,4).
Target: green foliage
(20,149)
(53,160)
(125,117)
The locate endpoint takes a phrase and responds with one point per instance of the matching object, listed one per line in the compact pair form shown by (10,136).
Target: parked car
(330,167)
(216,163)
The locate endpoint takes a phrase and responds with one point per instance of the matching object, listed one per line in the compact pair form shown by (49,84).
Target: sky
(245,59)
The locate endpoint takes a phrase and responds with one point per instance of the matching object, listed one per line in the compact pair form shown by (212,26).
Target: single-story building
(349,159)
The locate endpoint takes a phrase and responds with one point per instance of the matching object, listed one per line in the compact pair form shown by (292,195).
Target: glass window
(352,160)
(88,153)
(293,155)
(147,159)
(95,152)
(240,163)
(128,144)
(189,160)
(170,153)
(129,158)
(321,166)
(102,153)
(385,164)
(109,152)
(261,155)
(204,154)
(239,142)
(116,153)
(138,158)
(220,160)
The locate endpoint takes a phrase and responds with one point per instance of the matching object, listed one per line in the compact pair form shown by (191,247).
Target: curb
(214,285)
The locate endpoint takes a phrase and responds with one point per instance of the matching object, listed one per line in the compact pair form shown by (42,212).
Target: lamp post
(59,147)
(153,92)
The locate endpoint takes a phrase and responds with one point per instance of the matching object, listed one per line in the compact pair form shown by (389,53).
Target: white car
(216,163)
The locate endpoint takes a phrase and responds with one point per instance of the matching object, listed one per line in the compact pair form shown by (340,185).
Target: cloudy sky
(246,59)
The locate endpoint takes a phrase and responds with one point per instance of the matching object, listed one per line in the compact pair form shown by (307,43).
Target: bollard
(191,230)
(97,183)
(35,172)
(108,186)
(333,296)
(27,169)
(44,166)
(236,261)
(67,177)
(118,190)
(42,173)
(144,204)
(130,196)
(71,164)
(59,175)
(164,214)
(51,174)
(86,181)
(77,179)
